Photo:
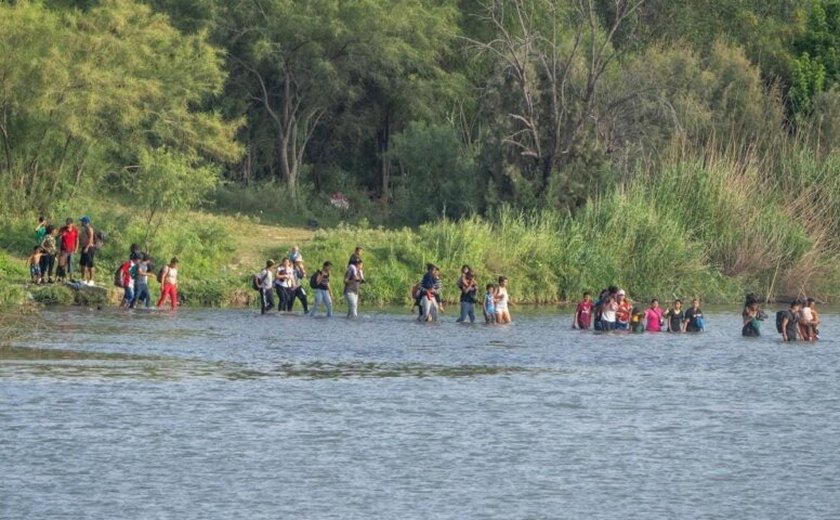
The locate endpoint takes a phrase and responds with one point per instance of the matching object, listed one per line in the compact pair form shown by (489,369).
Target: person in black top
(790,322)
(469,289)
(694,317)
(676,317)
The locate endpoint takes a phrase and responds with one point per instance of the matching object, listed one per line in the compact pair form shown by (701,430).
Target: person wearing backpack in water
(694,321)
(298,292)
(787,322)
(265,282)
(320,282)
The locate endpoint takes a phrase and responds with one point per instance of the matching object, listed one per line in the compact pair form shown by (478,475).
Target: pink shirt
(654,319)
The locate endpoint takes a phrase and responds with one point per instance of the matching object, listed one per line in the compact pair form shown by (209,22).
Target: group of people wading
(801,321)
(613,311)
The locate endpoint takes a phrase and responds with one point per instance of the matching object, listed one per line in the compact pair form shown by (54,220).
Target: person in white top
(169,284)
(502,302)
(352,281)
(284,283)
(265,281)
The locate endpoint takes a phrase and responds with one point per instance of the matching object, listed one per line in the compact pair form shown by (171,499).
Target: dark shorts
(86,259)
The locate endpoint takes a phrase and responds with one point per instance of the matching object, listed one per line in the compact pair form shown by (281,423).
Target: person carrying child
(469,289)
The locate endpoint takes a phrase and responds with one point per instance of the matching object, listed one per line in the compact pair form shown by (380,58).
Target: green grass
(711,226)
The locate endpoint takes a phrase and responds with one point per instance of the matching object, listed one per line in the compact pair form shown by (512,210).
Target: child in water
(489,306)
(637,320)
(583,314)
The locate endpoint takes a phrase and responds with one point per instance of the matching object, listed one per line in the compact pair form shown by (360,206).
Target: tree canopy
(419,108)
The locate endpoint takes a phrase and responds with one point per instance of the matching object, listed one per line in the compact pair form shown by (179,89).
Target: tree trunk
(384,141)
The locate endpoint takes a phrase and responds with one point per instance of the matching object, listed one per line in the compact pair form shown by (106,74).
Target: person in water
(676,317)
(265,282)
(320,281)
(489,304)
(653,317)
(169,284)
(352,283)
(502,302)
(752,317)
(637,320)
(469,289)
(790,322)
(694,321)
(583,313)
(815,319)
(623,312)
(807,330)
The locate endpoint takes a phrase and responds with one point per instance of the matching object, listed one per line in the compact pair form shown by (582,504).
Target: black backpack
(313,280)
(780,319)
(255,282)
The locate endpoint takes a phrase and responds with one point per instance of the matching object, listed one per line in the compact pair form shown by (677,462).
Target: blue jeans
(128,297)
(141,293)
(467,309)
(322,296)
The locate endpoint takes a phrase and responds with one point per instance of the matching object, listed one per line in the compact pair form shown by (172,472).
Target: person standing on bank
(352,282)
(87,238)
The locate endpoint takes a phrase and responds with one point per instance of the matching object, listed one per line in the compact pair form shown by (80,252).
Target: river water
(226,414)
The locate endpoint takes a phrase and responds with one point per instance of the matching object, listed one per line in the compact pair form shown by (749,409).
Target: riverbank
(688,229)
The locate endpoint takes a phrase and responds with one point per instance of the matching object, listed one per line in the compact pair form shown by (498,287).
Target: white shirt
(266,279)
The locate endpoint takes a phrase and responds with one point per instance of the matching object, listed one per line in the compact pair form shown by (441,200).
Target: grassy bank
(712,227)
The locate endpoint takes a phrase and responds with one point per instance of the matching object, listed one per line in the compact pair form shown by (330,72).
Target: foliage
(53,295)
(84,92)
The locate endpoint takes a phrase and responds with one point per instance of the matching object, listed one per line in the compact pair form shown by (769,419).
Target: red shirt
(583,315)
(69,239)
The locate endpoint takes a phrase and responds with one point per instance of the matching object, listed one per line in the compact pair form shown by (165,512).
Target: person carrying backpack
(694,321)
(264,281)
(320,282)
(298,291)
(787,322)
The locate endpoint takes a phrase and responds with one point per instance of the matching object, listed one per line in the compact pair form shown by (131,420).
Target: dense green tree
(83,93)
(361,66)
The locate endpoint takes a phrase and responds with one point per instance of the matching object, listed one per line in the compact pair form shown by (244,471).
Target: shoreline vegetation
(668,148)
(713,229)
